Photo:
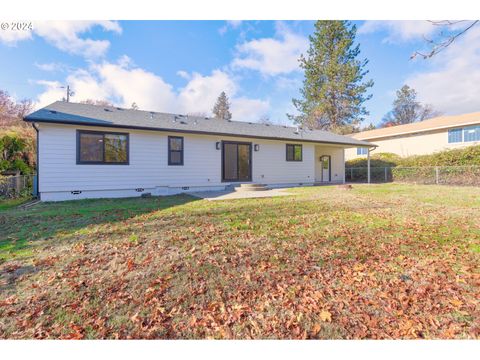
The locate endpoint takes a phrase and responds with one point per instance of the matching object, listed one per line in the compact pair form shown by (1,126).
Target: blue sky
(181,66)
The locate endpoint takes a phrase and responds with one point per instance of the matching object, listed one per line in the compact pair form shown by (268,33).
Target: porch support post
(368,165)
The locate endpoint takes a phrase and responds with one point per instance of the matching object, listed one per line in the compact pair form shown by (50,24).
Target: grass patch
(377,261)
(6,204)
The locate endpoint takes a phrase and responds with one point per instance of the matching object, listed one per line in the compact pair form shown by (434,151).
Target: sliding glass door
(236,161)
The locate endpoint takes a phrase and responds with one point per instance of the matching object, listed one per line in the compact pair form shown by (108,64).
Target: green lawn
(378,261)
(6,204)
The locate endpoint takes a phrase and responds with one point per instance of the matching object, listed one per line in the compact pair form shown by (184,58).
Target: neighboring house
(89,151)
(424,137)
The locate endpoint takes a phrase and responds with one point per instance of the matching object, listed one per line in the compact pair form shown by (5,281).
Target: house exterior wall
(148,169)
(337,163)
(411,144)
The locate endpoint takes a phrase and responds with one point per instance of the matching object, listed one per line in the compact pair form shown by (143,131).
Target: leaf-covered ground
(378,261)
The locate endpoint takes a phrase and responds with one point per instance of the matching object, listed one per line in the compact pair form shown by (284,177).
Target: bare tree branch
(447,40)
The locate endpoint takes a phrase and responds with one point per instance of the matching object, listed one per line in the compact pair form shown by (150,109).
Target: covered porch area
(330,163)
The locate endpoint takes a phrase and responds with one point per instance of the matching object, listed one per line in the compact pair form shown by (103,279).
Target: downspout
(38,160)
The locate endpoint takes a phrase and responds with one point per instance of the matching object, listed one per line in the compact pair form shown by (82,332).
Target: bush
(17,150)
(376,160)
(454,157)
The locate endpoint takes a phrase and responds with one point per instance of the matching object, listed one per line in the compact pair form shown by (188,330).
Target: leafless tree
(12,111)
(445,39)
(265,119)
(198,114)
(97,102)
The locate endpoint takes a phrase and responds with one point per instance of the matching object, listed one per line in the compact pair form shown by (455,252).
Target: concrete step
(251,187)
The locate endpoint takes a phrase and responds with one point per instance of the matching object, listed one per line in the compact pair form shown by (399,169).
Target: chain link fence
(445,175)
(16,186)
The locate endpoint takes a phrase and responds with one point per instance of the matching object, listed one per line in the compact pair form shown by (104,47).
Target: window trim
(301,152)
(170,163)
(103,133)
(460,130)
(361,151)
(466,128)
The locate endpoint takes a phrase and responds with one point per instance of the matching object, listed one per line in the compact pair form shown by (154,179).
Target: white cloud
(399,30)
(54,92)
(233,24)
(65,35)
(51,67)
(272,56)
(246,109)
(201,92)
(116,82)
(11,37)
(123,83)
(130,85)
(452,84)
(183,74)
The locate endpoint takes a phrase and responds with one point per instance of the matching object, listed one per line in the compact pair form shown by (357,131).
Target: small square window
(362,151)
(294,152)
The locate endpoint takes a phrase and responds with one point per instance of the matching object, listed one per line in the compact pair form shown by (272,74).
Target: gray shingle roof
(93,115)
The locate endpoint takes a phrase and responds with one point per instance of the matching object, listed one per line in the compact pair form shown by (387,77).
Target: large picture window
(471,133)
(96,147)
(294,152)
(175,150)
(455,135)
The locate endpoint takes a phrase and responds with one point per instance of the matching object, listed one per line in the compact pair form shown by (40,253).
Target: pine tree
(221,110)
(333,90)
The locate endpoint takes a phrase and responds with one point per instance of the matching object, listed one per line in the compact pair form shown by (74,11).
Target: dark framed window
(100,147)
(294,152)
(175,150)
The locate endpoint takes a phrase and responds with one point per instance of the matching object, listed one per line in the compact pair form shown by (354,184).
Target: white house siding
(421,143)
(148,167)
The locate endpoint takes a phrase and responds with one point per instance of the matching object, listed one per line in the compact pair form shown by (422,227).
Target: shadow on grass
(20,228)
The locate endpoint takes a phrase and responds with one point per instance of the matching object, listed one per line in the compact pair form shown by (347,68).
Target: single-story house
(90,151)
(424,137)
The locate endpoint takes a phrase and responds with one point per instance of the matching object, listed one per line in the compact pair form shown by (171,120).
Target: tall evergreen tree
(221,110)
(406,109)
(334,89)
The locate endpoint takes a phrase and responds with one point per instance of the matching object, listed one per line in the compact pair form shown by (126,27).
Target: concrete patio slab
(231,195)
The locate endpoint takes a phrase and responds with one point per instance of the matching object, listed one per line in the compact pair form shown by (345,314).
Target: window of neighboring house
(455,135)
(96,147)
(362,151)
(471,133)
(294,152)
(175,150)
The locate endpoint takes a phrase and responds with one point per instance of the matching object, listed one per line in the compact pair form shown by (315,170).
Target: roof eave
(133,127)
(418,131)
